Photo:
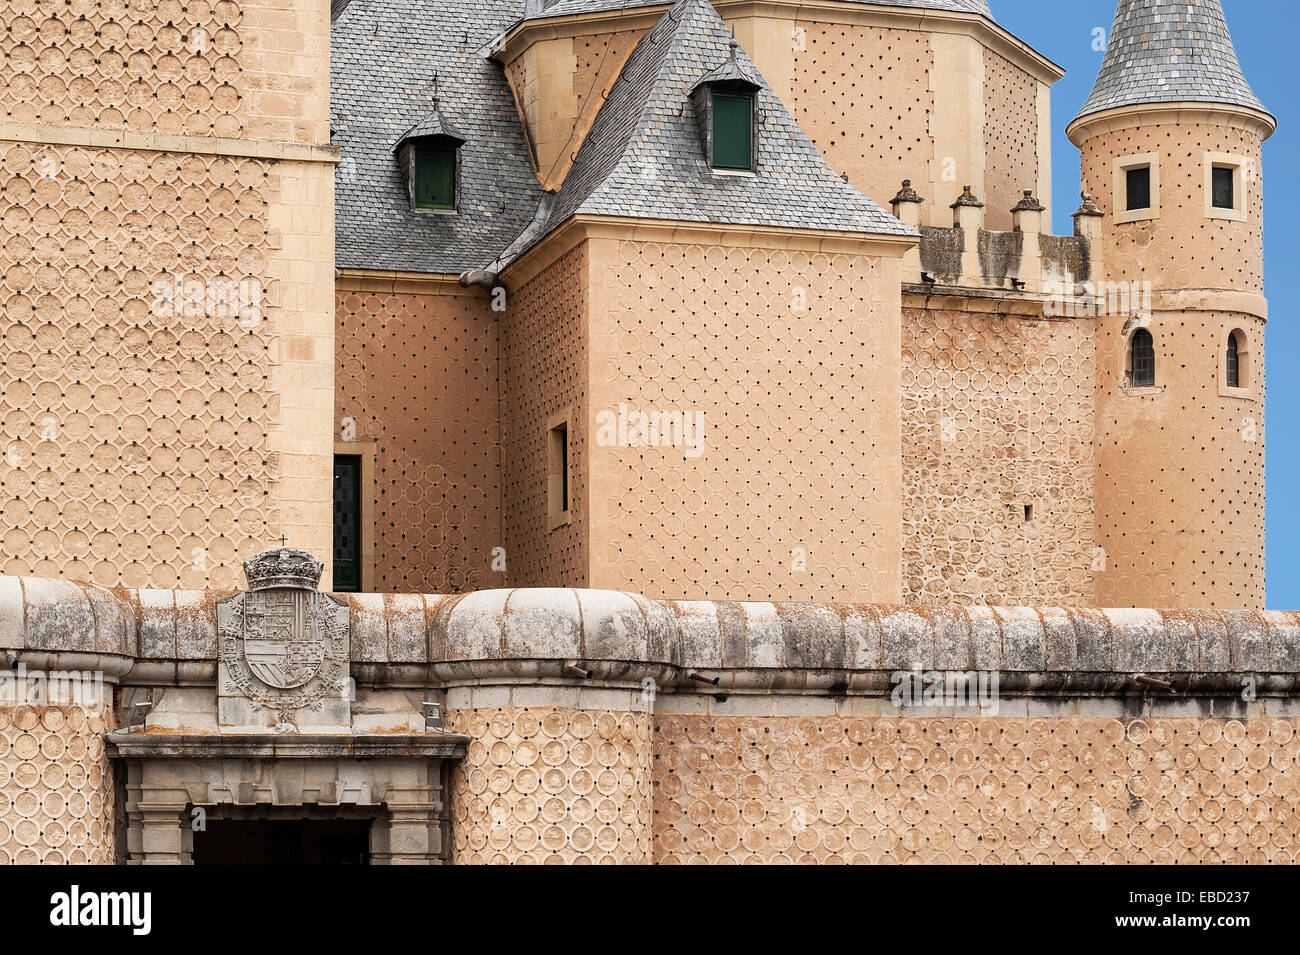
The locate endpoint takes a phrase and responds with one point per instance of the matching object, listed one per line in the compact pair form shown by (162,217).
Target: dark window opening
(1029,513)
(558,471)
(1143,360)
(347,523)
(733,131)
(1224,187)
(1138,186)
(435,176)
(1234,362)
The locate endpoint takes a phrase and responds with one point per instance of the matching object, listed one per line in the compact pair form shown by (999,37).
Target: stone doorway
(282,839)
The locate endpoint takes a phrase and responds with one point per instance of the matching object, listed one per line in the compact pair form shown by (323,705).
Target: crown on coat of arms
(283,567)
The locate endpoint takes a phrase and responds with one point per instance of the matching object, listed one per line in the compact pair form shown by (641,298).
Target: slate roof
(383,59)
(556,8)
(644,156)
(434,124)
(1163,51)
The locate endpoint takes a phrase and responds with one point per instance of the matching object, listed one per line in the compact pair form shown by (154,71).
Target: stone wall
(417,383)
(1047,789)
(863,96)
(168,332)
(785,358)
(998,418)
(545,342)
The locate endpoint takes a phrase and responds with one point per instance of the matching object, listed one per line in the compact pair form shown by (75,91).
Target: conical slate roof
(644,156)
(560,8)
(1167,51)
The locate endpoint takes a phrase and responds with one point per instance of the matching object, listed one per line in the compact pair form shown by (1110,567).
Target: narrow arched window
(1234,361)
(1142,360)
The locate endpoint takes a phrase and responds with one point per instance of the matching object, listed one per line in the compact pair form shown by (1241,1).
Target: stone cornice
(151,745)
(1084,128)
(584,227)
(991,35)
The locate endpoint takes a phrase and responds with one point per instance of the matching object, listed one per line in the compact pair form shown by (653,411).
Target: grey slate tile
(1165,51)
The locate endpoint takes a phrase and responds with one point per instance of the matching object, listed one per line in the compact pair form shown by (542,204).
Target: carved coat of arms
(283,645)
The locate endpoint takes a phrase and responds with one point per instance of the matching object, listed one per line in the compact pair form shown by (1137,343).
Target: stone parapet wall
(607,727)
(530,634)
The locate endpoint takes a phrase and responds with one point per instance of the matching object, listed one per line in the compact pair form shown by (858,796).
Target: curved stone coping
(404,631)
(64,617)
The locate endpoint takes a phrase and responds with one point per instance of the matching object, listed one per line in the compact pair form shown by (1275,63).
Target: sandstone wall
(168,333)
(417,383)
(792,492)
(891,789)
(545,376)
(998,417)
(56,785)
(862,94)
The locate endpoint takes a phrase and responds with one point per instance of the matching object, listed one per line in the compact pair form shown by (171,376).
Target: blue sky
(1264,33)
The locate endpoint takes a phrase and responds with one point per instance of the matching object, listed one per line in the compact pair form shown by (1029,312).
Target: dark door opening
(283,842)
(347,523)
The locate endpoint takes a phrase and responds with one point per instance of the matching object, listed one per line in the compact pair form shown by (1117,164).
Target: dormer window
(726,110)
(733,131)
(435,175)
(429,157)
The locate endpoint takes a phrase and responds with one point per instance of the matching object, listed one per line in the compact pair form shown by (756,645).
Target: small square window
(733,131)
(1137,192)
(435,177)
(1224,187)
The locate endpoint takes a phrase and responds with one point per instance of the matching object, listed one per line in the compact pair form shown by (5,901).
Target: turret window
(1234,362)
(1222,187)
(1226,182)
(1137,188)
(1234,379)
(1137,193)
(1142,360)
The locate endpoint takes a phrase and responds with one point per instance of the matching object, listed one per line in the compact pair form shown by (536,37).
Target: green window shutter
(733,131)
(435,177)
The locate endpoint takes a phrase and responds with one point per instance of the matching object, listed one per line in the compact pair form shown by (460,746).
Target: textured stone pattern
(144,65)
(1187,449)
(552,785)
(206,68)
(1163,51)
(862,95)
(997,416)
(788,355)
(1010,139)
(56,793)
(417,375)
(987,790)
(134,444)
(1182,249)
(544,341)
